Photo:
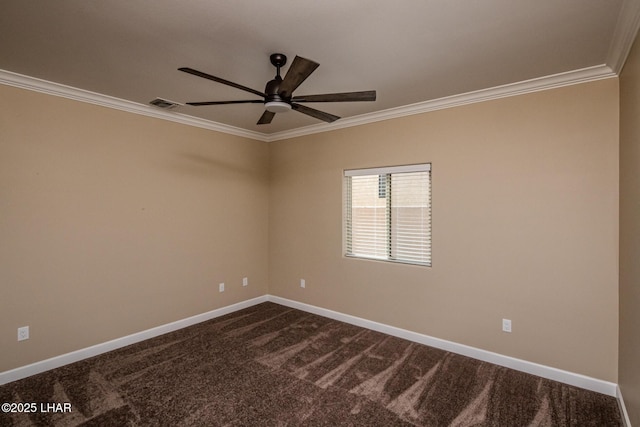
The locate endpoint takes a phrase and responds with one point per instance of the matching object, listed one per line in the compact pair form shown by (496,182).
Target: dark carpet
(270,365)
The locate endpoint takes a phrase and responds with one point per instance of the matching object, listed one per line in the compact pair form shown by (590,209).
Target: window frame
(388,171)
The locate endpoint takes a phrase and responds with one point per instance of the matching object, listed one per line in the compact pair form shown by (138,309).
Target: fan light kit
(277,106)
(278,93)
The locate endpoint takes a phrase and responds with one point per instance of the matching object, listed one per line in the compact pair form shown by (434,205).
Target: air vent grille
(164,104)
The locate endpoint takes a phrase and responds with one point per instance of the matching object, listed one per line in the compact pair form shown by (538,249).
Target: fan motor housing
(273,102)
(271,91)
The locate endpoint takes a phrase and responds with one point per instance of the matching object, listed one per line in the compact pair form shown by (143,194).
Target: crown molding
(43,86)
(513,89)
(624,34)
(584,75)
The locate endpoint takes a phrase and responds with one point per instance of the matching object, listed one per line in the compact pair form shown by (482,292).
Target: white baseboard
(578,380)
(566,377)
(623,408)
(85,353)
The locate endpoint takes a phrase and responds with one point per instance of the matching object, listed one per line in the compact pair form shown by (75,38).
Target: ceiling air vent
(164,104)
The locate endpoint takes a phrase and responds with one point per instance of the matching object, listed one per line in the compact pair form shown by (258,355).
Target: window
(387,213)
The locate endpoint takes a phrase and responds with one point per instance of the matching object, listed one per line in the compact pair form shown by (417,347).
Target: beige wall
(525,214)
(630,234)
(112,223)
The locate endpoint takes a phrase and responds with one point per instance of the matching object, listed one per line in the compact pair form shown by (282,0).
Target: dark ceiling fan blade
(219,80)
(314,113)
(197,104)
(300,69)
(266,118)
(368,95)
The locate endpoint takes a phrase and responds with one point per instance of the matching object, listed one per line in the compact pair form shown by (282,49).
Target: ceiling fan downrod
(278,60)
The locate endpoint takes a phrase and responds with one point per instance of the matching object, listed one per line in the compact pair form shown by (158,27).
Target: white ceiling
(410,51)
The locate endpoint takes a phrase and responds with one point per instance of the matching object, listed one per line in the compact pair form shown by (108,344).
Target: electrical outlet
(303,284)
(506,325)
(221,287)
(23,333)
(245,281)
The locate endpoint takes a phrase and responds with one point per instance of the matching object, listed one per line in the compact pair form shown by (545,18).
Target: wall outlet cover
(23,333)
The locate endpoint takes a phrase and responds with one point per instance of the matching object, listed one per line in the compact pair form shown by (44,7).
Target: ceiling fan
(278,93)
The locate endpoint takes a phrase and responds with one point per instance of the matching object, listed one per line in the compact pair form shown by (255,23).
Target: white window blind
(388,213)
